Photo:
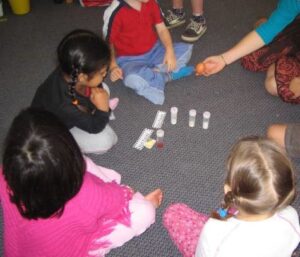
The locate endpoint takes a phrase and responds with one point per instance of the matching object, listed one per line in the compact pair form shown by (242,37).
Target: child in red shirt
(144,55)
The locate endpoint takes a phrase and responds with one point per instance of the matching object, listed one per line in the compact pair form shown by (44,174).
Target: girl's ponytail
(225,212)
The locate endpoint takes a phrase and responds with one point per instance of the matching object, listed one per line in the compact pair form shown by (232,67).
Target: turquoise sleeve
(283,15)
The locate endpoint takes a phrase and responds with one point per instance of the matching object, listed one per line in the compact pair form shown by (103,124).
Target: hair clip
(222,212)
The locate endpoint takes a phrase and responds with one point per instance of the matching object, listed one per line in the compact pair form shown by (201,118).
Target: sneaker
(183,72)
(173,19)
(194,31)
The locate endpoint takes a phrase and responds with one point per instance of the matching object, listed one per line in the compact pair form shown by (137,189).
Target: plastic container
(192,118)
(174,111)
(160,138)
(206,117)
(20,7)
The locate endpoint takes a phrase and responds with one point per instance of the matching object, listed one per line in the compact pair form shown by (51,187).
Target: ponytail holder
(222,212)
(75,102)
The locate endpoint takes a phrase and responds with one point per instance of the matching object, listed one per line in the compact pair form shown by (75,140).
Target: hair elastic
(222,212)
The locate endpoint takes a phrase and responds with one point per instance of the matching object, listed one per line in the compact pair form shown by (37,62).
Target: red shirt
(132,32)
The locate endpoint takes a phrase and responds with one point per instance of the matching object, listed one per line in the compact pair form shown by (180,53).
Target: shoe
(183,72)
(173,19)
(194,31)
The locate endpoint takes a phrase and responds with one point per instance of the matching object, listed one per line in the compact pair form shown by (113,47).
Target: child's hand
(213,65)
(116,73)
(99,97)
(170,60)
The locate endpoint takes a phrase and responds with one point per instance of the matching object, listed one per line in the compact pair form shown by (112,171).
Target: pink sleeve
(107,175)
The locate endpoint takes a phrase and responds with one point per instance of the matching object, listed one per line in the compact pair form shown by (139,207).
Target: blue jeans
(146,73)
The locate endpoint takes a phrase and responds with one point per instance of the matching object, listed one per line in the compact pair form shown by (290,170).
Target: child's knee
(134,82)
(270,81)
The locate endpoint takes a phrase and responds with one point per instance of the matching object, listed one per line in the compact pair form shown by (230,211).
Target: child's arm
(166,40)
(99,97)
(115,71)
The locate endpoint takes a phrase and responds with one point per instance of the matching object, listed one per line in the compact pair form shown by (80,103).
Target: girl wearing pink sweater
(56,202)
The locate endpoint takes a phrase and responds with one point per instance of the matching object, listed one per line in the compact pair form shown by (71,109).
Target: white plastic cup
(206,117)
(160,138)
(192,117)
(174,111)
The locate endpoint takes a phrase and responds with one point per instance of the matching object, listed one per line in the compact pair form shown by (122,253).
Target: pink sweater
(88,216)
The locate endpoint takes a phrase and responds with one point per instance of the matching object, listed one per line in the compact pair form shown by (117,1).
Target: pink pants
(184,226)
(142,214)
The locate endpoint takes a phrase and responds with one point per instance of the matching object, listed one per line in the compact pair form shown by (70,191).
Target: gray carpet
(191,167)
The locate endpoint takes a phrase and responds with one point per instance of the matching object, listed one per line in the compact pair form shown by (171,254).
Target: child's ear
(82,77)
(227,188)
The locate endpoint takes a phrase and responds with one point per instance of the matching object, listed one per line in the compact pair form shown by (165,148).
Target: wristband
(223,59)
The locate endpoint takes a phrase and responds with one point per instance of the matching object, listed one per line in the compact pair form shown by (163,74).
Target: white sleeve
(108,15)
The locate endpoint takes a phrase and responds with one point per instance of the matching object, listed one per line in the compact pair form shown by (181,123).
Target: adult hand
(99,97)
(213,64)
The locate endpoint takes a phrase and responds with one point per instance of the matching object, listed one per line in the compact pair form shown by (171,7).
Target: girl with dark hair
(255,218)
(75,91)
(56,202)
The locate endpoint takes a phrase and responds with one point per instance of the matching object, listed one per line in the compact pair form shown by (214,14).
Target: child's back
(255,218)
(56,202)
(276,236)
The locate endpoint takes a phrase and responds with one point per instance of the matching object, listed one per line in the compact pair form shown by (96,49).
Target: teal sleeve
(283,15)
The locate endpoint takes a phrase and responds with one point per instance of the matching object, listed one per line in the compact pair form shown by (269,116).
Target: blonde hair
(260,175)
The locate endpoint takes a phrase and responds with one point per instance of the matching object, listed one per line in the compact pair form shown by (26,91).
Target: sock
(178,11)
(198,18)
(183,72)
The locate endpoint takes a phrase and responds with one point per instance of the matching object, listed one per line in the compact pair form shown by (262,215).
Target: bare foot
(155,197)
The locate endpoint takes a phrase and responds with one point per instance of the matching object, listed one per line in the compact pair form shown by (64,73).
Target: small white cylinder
(206,117)
(192,117)
(174,111)
(160,138)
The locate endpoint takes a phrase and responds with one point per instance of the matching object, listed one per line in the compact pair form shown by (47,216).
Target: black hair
(42,164)
(82,51)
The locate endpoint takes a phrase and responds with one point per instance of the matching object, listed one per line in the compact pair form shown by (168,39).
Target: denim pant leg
(140,76)
(183,53)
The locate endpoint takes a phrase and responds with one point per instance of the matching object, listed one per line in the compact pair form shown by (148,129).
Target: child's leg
(184,226)
(143,79)
(142,217)
(183,53)
(95,143)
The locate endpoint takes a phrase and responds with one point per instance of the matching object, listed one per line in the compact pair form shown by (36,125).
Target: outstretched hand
(213,64)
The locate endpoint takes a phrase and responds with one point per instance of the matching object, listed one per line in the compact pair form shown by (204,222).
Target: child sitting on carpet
(144,62)
(57,203)
(260,186)
(75,91)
